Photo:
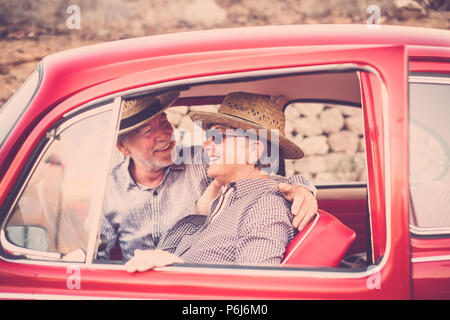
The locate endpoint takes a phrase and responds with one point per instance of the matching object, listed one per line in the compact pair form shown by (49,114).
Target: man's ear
(122,146)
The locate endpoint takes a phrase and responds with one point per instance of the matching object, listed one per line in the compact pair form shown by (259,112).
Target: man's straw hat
(251,111)
(139,110)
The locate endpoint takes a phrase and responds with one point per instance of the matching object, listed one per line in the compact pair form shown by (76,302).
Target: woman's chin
(214,171)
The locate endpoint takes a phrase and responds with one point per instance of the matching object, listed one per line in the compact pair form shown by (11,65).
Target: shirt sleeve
(264,231)
(109,234)
(186,226)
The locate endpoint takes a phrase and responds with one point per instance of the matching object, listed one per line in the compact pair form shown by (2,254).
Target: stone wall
(331,137)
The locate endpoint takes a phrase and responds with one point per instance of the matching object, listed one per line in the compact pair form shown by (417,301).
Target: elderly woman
(242,217)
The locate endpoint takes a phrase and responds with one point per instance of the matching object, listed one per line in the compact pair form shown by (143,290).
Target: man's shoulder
(118,174)
(270,195)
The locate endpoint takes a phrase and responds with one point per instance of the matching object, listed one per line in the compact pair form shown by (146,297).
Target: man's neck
(148,177)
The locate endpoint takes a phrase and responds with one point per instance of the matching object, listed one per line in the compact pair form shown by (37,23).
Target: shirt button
(155,193)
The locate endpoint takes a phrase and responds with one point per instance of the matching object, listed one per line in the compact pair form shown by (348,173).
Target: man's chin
(165,162)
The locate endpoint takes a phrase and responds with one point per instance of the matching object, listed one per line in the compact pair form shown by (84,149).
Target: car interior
(339,236)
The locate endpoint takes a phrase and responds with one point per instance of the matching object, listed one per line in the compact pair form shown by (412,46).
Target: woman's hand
(144,260)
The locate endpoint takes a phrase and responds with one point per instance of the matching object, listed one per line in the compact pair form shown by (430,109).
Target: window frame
(426,78)
(291,271)
(327,273)
(39,72)
(69,119)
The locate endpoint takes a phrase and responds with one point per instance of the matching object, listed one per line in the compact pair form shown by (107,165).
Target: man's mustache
(163,145)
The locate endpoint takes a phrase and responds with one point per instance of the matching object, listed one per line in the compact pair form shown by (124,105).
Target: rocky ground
(31,29)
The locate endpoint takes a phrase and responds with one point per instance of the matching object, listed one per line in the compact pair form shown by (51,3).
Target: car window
(429,141)
(50,213)
(138,214)
(332,138)
(13,109)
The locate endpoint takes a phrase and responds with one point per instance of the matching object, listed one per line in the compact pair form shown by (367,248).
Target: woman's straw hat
(137,111)
(251,111)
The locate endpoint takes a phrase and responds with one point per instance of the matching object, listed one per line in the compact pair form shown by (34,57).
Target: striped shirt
(250,223)
(136,216)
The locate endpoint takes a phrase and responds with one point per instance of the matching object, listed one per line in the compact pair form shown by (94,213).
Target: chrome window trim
(430,79)
(430,259)
(51,135)
(369,208)
(432,231)
(40,72)
(285,272)
(428,231)
(96,208)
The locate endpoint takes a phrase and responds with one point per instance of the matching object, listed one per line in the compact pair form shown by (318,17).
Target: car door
(35,275)
(429,184)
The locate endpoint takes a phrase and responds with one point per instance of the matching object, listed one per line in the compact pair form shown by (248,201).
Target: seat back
(322,243)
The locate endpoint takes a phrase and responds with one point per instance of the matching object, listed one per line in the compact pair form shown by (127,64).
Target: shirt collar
(245,187)
(129,181)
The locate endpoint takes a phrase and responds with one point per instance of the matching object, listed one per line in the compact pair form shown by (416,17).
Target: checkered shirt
(249,224)
(136,216)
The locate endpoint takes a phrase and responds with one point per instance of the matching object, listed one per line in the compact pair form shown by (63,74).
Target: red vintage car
(57,147)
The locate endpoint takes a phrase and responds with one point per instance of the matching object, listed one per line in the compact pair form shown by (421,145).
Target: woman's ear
(255,151)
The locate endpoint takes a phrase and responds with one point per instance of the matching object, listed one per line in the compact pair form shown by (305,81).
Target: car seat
(322,243)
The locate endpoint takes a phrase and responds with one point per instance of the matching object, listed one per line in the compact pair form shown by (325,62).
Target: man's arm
(301,193)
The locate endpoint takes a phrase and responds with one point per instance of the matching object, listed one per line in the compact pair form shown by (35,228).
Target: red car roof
(68,72)
(109,58)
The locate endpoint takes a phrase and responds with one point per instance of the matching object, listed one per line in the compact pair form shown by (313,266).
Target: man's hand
(144,260)
(304,204)
(203,204)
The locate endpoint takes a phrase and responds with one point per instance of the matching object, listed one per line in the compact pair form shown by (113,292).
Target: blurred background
(32,29)
(331,135)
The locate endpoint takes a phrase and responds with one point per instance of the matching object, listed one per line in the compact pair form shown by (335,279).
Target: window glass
(429,140)
(332,138)
(13,109)
(151,193)
(51,211)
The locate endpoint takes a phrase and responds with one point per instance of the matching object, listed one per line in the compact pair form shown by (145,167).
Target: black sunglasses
(217,136)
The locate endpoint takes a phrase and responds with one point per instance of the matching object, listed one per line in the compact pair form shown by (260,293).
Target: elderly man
(249,223)
(148,192)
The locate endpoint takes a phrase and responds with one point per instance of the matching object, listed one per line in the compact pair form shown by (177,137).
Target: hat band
(147,113)
(232,115)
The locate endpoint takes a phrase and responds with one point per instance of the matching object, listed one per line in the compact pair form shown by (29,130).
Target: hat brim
(288,149)
(165,101)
